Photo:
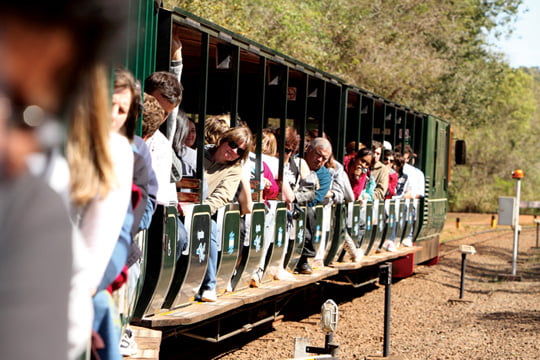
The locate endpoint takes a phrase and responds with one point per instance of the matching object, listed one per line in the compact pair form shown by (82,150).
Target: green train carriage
(226,73)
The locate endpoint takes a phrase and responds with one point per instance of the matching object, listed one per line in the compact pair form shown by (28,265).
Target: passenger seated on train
(379,173)
(267,187)
(318,153)
(417,184)
(297,188)
(102,202)
(358,174)
(402,186)
(185,153)
(161,152)
(388,160)
(350,152)
(223,172)
(341,191)
(269,151)
(191,135)
(376,148)
(166,88)
(126,109)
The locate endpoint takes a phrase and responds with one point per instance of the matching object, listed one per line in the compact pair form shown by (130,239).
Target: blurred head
(388,158)
(399,161)
(233,146)
(153,116)
(191,135)
(292,142)
(364,158)
(269,143)
(47,46)
(376,148)
(409,155)
(164,86)
(351,148)
(125,103)
(318,153)
(214,128)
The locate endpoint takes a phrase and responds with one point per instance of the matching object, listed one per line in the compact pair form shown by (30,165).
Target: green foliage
(432,55)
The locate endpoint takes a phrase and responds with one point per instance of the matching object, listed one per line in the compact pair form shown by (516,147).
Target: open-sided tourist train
(226,73)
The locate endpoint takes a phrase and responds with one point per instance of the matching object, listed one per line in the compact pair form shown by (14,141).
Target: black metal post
(331,348)
(537,229)
(463,265)
(385,279)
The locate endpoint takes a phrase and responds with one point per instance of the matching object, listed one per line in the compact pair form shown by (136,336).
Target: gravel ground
(499,320)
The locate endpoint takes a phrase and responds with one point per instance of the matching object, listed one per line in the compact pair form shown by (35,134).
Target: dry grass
(476,223)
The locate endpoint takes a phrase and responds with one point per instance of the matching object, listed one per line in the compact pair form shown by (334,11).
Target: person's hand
(267,183)
(176,48)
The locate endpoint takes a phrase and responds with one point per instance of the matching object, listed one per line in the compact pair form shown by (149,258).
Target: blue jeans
(209,282)
(107,325)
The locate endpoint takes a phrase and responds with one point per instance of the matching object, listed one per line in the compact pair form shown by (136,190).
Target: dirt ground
(500,319)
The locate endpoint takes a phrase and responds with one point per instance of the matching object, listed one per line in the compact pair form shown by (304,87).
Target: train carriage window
(379,121)
(354,104)
(332,119)
(366,122)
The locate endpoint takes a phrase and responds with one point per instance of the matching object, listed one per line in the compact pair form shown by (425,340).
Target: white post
(516,228)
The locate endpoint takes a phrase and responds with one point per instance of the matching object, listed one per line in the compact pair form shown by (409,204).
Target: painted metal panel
(230,247)
(253,252)
(197,223)
(278,248)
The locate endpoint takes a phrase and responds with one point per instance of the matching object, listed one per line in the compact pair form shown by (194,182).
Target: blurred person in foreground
(46,49)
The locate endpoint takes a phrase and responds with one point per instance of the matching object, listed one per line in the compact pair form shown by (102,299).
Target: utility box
(507,207)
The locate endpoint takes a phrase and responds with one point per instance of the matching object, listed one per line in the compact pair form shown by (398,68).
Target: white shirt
(161,153)
(103,218)
(416,180)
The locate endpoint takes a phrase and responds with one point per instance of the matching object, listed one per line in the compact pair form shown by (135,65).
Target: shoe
(256,278)
(283,274)
(389,245)
(359,255)
(407,242)
(128,346)
(303,268)
(209,296)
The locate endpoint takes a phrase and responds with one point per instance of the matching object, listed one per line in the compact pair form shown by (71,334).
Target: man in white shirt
(417,185)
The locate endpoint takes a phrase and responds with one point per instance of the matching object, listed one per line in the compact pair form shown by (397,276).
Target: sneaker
(303,268)
(407,242)
(359,255)
(389,245)
(128,346)
(256,278)
(209,296)
(283,274)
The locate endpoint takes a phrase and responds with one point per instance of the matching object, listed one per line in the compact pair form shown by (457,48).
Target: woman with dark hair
(358,172)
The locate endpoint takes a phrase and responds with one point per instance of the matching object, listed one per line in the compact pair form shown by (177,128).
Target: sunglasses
(233,145)
(388,160)
(288,151)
